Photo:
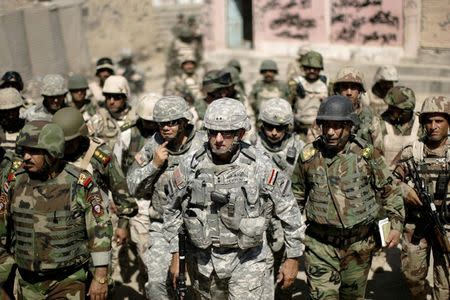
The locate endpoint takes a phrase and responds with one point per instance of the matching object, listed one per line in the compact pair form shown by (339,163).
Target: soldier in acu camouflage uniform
(78,87)
(11,104)
(268,87)
(53,91)
(385,78)
(308,91)
(336,182)
(399,123)
(225,194)
(60,223)
(149,175)
(116,115)
(431,154)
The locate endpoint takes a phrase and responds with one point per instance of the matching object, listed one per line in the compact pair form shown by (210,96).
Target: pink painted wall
(214,26)
(367,22)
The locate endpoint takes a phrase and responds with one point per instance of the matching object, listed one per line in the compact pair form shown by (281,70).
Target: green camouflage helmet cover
(235,79)
(171,108)
(77,82)
(53,85)
(42,135)
(226,114)
(216,79)
(401,97)
(435,104)
(235,64)
(268,65)
(337,108)
(349,74)
(71,121)
(276,111)
(312,59)
(10,98)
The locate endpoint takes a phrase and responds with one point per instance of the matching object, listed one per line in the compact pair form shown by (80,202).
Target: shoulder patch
(138,157)
(102,157)
(273,174)
(367,152)
(307,153)
(85,180)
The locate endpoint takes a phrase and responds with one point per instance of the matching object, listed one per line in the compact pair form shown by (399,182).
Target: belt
(57,274)
(339,237)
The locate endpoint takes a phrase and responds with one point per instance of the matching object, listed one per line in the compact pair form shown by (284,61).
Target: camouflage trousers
(73,287)
(139,235)
(271,291)
(247,281)
(157,260)
(415,264)
(6,265)
(338,273)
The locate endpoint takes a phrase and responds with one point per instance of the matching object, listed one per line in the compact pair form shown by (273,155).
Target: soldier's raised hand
(161,155)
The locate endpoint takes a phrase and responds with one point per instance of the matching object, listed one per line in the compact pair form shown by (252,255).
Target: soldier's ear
(240,134)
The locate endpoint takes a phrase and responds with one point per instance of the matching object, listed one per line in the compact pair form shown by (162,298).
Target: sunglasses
(223,133)
(169,123)
(271,127)
(115,97)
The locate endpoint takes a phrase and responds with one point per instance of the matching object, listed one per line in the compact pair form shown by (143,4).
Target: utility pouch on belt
(291,154)
(441,188)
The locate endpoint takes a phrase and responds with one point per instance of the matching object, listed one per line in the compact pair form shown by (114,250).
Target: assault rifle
(429,220)
(181,280)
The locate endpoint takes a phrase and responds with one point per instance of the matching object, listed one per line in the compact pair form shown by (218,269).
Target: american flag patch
(179,179)
(272,177)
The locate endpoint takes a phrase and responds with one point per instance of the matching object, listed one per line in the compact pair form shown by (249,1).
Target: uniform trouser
(157,259)
(271,291)
(338,273)
(415,263)
(139,235)
(246,282)
(72,287)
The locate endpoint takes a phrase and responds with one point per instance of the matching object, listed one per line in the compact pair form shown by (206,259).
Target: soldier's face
(54,103)
(188,67)
(336,133)
(34,159)
(274,133)
(114,102)
(351,90)
(311,74)
(78,95)
(103,74)
(436,127)
(170,130)
(8,116)
(268,75)
(222,142)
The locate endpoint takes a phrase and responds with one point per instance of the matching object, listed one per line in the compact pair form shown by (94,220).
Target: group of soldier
(237,188)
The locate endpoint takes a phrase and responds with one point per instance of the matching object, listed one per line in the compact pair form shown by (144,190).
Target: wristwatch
(101,280)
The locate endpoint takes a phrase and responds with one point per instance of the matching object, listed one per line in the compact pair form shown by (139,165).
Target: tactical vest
(137,141)
(306,108)
(266,92)
(225,208)
(393,143)
(435,173)
(49,225)
(355,187)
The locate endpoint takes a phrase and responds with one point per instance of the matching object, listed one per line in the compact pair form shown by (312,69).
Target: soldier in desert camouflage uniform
(308,91)
(268,87)
(103,69)
(11,104)
(149,175)
(53,91)
(431,155)
(234,63)
(78,87)
(336,182)
(385,78)
(225,194)
(58,218)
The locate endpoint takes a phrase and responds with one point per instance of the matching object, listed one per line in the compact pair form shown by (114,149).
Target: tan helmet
(349,74)
(146,106)
(10,98)
(185,57)
(116,84)
(386,73)
(435,104)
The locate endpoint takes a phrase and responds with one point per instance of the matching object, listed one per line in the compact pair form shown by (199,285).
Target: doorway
(240,24)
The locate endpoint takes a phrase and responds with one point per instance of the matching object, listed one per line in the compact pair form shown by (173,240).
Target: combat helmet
(235,64)
(116,84)
(386,73)
(276,111)
(147,105)
(71,121)
(226,114)
(171,108)
(337,108)
(401,97)
(312,59)
(235,79)
(53,85)
(435,104)
(77,82)
(216,79)
(10,98)
(42,135)
(349,74)
(12,79)
(268,65)
(104,63)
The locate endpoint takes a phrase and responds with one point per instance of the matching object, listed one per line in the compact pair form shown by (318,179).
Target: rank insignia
(16,165)
(102,157)
(97,210)
(366,152)
(308,153)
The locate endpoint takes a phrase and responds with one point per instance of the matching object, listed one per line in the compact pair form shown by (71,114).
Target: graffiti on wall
(435,23)
(367,22)
(300,20)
